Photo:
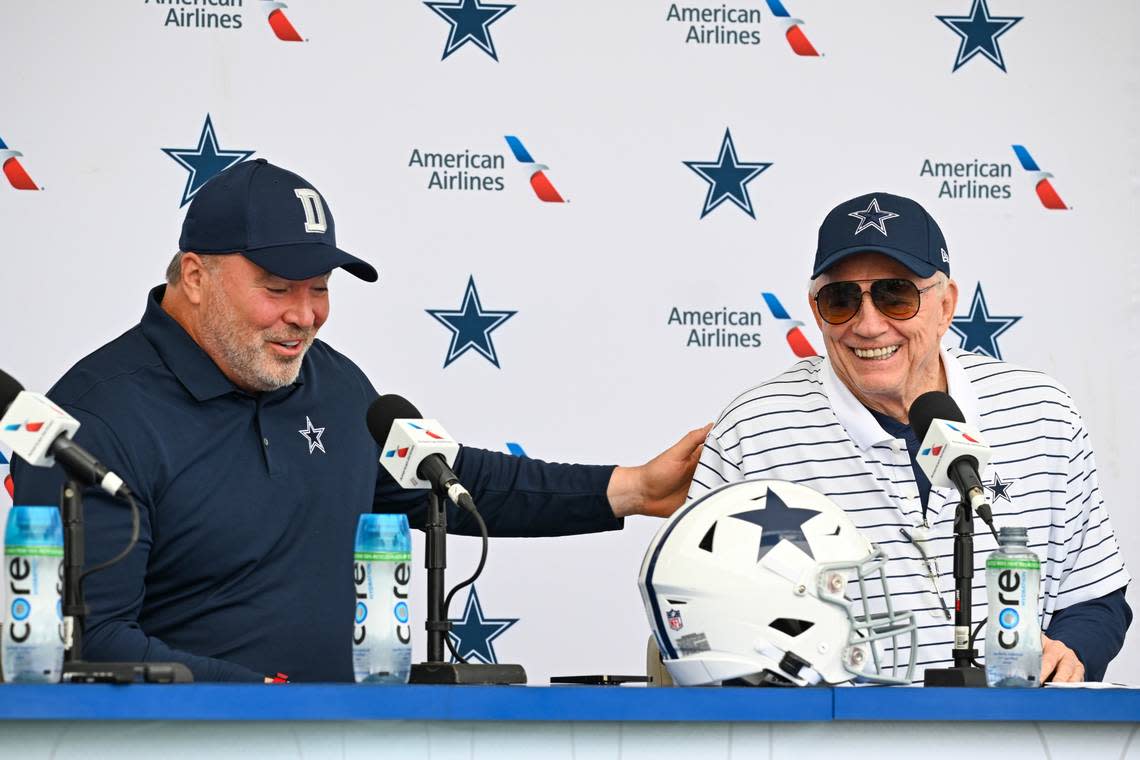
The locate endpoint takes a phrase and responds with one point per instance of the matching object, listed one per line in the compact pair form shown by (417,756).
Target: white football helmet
(751,582)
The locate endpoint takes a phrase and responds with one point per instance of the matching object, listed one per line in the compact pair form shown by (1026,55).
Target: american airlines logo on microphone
(409,442)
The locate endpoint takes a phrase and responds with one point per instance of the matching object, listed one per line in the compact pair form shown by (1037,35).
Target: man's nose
(302,310)
(869,321)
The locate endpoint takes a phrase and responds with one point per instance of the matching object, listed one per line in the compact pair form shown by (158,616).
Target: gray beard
(247,357)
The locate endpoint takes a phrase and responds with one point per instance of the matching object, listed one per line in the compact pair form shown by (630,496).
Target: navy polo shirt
(250,502)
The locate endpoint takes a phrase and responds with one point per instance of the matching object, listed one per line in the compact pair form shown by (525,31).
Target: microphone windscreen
(385,410)
(9,389)
(930,406)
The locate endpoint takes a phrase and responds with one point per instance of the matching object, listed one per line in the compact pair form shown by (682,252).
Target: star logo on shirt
(727,178)
(313,436)
(979,33)
(873,217)
(471,326)
(779,522)
(999,488)
(474,633)
(979,329)
(470,22)
(204,161)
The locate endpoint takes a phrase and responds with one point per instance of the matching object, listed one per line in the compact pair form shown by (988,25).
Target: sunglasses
(897,298)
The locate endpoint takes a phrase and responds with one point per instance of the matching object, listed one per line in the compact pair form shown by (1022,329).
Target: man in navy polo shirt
(244,440)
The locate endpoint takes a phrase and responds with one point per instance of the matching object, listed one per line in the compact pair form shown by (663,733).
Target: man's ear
(949,305)
(194,271)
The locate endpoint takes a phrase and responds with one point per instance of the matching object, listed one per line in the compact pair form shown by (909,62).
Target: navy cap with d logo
(273,217)
(883,223)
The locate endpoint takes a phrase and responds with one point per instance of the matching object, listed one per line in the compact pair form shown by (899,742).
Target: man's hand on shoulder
(659,486)
(1059,663)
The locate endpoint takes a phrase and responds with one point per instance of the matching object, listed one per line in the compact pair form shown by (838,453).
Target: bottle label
(33,551)
(1003,563)
(382,556)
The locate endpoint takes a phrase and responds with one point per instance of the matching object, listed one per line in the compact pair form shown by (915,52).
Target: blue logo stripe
(517,148)
(1027,162)
(515,449)
(778,310)
(778,9)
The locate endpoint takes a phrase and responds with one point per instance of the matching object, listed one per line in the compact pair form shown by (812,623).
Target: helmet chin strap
(789,665)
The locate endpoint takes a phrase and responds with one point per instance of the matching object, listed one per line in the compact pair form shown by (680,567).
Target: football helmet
(764,581)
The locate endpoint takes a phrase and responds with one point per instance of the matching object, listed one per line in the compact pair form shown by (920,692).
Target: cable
(973,638)
(469,505)
(130,544)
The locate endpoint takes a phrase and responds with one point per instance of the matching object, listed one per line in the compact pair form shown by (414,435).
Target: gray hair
(174,268)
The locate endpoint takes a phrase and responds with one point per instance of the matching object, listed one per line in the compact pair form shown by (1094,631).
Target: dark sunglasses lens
(898,299)
(839,301)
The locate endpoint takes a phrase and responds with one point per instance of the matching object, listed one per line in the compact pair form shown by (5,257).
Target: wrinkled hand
(1059,663)
(658,487)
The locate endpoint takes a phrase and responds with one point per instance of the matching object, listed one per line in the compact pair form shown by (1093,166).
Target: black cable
(130,544)
(973,638)
(469,505)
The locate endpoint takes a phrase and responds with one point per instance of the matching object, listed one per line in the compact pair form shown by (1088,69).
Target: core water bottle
(31,645)
(381,573)
(1013,629)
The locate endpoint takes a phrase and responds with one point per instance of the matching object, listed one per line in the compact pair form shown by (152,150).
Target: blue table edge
(327,702)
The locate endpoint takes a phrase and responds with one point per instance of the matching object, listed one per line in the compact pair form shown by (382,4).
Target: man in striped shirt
(839,424)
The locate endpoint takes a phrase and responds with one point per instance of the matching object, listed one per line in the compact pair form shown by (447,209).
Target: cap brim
(916,265)
(304,260)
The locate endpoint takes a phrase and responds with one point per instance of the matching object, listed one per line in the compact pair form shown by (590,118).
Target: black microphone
(963,470)
(438,449)
(77,462)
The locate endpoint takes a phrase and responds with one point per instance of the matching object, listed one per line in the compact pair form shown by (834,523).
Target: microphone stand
(74,608)
(964,672)
(436,670)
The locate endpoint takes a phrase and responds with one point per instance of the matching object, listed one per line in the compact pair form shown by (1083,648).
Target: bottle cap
(1013,535)
(34,526)
(383,533)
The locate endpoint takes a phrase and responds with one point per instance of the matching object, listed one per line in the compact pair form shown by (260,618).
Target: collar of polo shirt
(861,425)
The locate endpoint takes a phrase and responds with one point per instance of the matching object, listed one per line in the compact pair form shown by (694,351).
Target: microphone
(952,453)
(417,453)
(40,433)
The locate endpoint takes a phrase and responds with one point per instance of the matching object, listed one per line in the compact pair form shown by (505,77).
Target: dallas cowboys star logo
(979,329)
(779,522)
(470,22)
(204,161)
(471,326)
(472,635)
(873,217)
(728,178)
(979,32)
(313,436)
(999,488)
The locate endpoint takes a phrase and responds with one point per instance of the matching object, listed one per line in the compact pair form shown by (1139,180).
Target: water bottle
(1013,630)
(32,639)
(381,572)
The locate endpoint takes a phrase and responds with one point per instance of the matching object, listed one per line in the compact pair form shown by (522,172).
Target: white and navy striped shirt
(806,426)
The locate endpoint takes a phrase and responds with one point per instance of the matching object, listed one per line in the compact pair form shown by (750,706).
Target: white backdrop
(614,100)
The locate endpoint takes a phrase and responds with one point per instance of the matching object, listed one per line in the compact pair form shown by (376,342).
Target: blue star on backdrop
(979,32)
(474,633)
(979,329)
(470,22)
(204,161)
(728,178)
(471,326)
(999,488)
(779,522)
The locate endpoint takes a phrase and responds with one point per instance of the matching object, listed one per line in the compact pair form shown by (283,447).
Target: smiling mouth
(886,352)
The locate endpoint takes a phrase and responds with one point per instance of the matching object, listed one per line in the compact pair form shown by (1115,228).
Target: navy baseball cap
(888,224)
(271,216)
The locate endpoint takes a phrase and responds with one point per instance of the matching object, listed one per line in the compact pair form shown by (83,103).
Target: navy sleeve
(115,596)
(1094,630)
(517,496)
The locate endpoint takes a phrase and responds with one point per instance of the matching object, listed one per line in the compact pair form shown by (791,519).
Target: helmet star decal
(779,523)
